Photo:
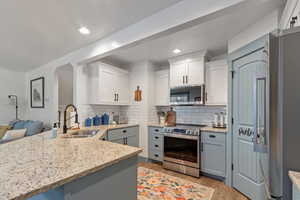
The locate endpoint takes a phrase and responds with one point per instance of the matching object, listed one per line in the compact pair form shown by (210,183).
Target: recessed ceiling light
(176,51)
(84,31)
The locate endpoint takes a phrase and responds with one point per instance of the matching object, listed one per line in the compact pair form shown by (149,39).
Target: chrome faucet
(65,128)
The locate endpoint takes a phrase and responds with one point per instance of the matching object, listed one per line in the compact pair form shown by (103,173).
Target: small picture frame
(37,93)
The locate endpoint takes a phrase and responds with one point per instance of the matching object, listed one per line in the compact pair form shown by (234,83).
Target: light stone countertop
(216,130)
(295,177)
(102,130)
(206,129)
(156,125)
(35,164)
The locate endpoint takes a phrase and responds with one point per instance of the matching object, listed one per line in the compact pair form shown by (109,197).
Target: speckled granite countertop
(295,177)
(156,125)
(207,128)
(36,164)
(102,129)
(217,130)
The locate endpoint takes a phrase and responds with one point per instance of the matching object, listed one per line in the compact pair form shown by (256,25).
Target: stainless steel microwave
(192,95)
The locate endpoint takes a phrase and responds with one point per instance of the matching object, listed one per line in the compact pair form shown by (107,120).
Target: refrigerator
(277,113)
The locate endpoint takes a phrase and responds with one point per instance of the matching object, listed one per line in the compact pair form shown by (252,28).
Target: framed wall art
(37,93)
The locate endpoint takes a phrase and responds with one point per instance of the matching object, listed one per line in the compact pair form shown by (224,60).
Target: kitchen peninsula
(38,167)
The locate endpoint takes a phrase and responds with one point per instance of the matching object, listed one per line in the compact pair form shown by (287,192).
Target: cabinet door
(162,88)
(107,86)
(178,72)
(196,72)
(122,88)
(213,153)
(119,141)
(216,83)
(133,141)
(213,159)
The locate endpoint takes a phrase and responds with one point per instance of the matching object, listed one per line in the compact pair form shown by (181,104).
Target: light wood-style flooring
(222,192)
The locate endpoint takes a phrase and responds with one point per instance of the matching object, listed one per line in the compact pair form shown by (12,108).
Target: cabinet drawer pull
(156,145)
(156,137)
(156,130)
(155,155)
(124,131)
(212,136)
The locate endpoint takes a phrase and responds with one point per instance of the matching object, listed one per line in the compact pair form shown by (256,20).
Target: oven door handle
(190,137)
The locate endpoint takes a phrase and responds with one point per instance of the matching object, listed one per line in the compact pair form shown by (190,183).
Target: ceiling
(34,32)
(213,35)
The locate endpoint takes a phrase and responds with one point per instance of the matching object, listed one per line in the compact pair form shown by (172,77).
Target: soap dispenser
(54,131)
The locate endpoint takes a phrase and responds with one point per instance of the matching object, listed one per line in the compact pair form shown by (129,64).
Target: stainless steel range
(182,149)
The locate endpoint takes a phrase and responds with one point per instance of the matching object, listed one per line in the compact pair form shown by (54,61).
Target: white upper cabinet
(107,85)
(162,88)
(196,72)
(187,70)
(216,82)
(178,74)
(122,88)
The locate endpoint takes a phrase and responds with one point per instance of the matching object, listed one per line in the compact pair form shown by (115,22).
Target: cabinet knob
(124,131)
(212,136)
(156,137)
(156,155)
(156,145)
(156,130)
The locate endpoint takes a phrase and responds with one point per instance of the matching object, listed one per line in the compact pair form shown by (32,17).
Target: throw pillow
(33,127)
(19,124)
(14,134)
(3,130)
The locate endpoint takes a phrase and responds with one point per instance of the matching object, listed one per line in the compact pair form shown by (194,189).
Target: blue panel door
(247,176)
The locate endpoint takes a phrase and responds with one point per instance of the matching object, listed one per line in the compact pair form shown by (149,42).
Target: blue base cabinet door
(127,136)
(213,153)
(155,144)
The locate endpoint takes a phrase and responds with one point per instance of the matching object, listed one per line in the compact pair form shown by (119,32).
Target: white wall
(11,82)
(143,112)
(158,23)
(266,25)
(65,85)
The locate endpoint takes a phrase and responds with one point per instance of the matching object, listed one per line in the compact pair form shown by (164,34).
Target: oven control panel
(183,131)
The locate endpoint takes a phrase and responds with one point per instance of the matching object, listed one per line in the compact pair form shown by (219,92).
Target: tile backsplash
(195,114)
(86,111)
(134,114)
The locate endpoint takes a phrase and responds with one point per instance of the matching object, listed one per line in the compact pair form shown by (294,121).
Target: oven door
(182,149)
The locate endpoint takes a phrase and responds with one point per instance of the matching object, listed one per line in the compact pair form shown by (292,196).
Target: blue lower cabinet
(120,177)
(155,144)
(127,136)
(156,155)
(57,194)
(213,153)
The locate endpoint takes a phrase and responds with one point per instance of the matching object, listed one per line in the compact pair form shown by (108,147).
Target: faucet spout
(65,128)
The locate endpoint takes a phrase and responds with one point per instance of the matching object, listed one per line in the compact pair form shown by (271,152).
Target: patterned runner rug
(154,185)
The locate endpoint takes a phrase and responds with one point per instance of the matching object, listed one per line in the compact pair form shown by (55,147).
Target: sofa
(16,127)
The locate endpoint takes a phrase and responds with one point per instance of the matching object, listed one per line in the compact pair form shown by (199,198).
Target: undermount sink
(82,134)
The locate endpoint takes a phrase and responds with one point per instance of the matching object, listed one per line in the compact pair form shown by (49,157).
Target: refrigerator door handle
(259,132)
